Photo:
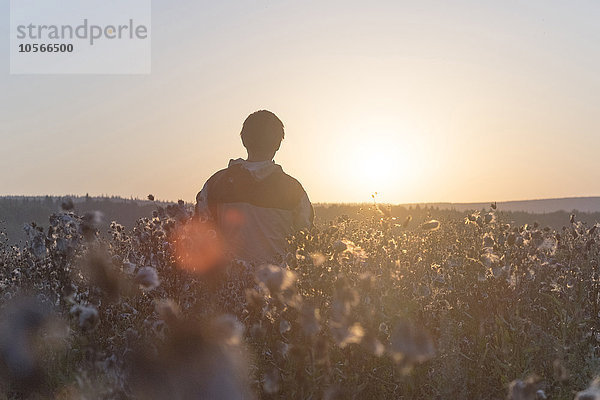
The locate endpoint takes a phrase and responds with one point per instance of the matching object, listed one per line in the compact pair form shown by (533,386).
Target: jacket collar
(258,169)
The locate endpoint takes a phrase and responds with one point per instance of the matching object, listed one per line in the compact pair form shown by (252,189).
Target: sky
(420,101)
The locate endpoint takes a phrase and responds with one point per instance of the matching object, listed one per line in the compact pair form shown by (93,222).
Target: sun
(380,162)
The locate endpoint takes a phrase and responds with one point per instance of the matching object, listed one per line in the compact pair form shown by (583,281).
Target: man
(254,204)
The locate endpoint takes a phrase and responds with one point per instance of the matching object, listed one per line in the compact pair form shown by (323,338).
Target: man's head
(262,134)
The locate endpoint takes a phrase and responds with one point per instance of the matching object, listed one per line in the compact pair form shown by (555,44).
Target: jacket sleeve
(202,211)
(304,214)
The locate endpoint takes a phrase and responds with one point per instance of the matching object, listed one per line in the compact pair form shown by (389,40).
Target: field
(467,307)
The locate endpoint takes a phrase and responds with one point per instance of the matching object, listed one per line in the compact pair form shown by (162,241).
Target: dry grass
(435,309)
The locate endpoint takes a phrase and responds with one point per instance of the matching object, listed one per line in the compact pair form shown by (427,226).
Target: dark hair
(262,131)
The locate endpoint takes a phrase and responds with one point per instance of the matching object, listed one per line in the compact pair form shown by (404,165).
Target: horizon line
(135,198)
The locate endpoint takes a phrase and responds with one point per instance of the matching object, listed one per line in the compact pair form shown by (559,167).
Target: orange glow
(234,218)
(198,247)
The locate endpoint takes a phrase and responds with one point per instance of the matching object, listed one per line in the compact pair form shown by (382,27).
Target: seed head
(147,278)
(432,225)
(228,329)
(411,344)
(274,278)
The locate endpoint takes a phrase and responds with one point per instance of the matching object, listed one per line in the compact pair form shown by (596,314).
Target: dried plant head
(255,301)
(227,329)
(36,240)
(167,310)
(90,223)
(147,278)
(22,321)
(489,218)
(97,266)
(560,372)
(344,334)
(271,381)
(345,298)
(189,365)
(87,316)
(488,240)
(284,326)
(410,344)
(524,390)
(318,259)
(274,278)
(373,345)
(591,393)
(282,349)
(341,245)
(308,319)
(431,225)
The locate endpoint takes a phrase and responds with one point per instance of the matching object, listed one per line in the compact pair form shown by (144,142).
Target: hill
(541,206)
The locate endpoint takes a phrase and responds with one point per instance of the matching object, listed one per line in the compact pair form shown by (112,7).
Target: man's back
(255,206)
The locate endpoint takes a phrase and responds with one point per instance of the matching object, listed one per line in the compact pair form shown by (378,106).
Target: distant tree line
(15,211)
(419,214)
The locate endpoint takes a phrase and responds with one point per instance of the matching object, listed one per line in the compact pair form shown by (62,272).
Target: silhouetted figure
(254,204)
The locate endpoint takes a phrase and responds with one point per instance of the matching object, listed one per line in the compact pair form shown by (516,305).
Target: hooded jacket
(256,206)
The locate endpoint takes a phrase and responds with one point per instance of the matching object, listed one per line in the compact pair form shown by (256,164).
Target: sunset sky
(421,101)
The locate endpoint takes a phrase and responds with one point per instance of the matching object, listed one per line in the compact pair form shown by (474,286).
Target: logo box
(80,37)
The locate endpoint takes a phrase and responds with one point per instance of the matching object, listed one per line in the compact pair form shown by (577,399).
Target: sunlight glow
(382,161)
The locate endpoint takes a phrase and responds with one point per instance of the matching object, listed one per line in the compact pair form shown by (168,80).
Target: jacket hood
(258,169)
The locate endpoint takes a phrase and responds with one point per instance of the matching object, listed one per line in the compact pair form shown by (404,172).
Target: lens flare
(198,247)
